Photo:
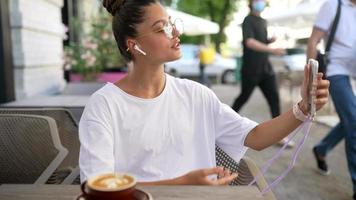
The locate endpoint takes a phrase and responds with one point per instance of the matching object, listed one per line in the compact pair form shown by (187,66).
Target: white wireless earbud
(139,50)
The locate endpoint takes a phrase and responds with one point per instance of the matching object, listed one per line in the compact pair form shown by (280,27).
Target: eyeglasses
(169,29)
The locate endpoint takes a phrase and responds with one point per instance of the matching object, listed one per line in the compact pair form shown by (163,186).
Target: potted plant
(96,56)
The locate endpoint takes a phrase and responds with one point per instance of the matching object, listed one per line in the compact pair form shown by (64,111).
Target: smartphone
(313,71)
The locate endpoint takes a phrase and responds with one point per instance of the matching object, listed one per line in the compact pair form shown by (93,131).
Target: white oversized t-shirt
(160,138)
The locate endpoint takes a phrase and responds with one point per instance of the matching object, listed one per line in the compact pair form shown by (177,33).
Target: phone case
(313,71)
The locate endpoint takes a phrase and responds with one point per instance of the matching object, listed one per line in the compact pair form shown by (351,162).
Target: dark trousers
(204,79)
(268,86)
(345,104)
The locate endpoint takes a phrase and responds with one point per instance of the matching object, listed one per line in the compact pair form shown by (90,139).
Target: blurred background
(45,44)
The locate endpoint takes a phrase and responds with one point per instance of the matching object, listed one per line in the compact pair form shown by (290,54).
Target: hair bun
(112,6)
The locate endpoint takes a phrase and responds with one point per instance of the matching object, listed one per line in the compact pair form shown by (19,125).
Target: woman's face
(155,36)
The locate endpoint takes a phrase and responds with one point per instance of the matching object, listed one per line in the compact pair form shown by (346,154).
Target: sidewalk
(303,182)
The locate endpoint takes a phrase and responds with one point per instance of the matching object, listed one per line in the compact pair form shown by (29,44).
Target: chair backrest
(68,170)
(30,148)
(246,169)
(67,129)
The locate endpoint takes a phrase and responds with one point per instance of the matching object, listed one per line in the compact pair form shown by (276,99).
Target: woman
(162,129)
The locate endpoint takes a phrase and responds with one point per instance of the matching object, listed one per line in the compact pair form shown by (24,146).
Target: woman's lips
(176,44)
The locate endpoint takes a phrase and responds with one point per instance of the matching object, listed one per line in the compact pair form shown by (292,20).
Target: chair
(68,170)
(30,148)
(246,170)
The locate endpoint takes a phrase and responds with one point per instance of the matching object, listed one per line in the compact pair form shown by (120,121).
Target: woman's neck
(144,80)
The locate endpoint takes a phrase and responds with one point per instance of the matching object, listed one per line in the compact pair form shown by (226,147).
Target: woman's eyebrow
(159,21)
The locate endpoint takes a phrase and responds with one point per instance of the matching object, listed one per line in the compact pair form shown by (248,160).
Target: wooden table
(69,192)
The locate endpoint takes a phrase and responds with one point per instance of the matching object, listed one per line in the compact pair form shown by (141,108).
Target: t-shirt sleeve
(326,15)
(247,29)
(96,139)
(231,129)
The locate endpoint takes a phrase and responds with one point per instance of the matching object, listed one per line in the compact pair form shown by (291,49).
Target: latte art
(112,182)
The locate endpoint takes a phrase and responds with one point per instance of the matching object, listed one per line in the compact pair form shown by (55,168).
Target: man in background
(256,69)
(341,67)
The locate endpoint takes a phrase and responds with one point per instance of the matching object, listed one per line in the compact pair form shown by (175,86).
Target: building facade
(37,47)
(33,33)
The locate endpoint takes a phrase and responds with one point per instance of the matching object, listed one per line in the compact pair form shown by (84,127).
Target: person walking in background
(206,57)
(341,67)
(256,69)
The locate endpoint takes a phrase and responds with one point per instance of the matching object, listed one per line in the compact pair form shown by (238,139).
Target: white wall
(37,33)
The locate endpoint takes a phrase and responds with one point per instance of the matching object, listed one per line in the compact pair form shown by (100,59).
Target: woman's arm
(272,131)
(96,154)
(199,177)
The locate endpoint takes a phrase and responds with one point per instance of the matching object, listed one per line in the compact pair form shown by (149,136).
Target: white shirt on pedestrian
(342,54)
(160,138)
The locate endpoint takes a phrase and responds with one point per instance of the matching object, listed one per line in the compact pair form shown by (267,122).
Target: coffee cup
(111,186)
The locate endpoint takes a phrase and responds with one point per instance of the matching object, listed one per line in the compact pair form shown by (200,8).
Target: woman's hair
(126,15)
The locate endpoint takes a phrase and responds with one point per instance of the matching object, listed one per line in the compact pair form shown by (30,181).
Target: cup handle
(82,188)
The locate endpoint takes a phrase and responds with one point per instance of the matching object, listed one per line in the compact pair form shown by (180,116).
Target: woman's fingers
(224,176)
(319,76)
(227,172)
(322,88)
(225,180)
(322,93)
(213,171)
(323,83)
(221,172)
(321,101)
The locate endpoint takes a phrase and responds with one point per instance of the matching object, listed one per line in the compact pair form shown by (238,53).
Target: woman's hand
(320,90)
(201,177)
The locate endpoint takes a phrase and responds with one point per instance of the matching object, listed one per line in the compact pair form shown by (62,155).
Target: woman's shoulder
(187,83)
(189,87)
(105,90)
(108,91)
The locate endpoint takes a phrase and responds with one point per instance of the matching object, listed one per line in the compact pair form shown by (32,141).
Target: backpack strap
(333,28)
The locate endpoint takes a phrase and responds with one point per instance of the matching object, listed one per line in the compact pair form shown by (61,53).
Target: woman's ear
(130,43)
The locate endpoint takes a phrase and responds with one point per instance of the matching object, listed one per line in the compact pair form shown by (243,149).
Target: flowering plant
(96,51)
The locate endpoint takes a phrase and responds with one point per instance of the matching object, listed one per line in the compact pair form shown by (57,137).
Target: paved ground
(303,182)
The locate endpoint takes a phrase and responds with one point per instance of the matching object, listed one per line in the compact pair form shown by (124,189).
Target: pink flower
(90,61)
(105,35)
(90,45)
(88,58)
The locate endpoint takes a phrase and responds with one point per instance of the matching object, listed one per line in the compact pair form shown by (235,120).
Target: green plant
(220,12)
(107,53)
(94,51)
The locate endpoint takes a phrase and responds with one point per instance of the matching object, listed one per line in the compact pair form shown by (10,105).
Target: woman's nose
(176,32)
